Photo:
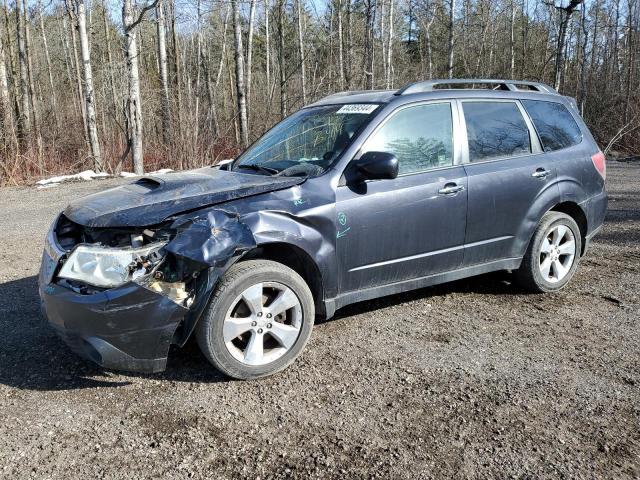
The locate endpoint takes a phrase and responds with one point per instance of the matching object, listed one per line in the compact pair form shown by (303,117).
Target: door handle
(450,189)
(541,173)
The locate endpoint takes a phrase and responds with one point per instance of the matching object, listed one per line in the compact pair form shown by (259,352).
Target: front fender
(215,239)
(315,238)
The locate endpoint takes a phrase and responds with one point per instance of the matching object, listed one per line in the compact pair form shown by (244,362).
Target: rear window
(495,130)
(555,126)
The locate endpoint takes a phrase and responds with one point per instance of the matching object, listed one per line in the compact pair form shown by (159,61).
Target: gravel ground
(473,379)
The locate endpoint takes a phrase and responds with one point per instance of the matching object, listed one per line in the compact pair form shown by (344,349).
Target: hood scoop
(148,182)
(150,200)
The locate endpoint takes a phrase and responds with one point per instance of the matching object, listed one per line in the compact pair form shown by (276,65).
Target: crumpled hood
(152,199)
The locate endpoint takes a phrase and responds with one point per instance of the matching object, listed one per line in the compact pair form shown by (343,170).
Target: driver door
(412,226)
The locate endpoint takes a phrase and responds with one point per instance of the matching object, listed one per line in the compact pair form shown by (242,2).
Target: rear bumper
(124,328)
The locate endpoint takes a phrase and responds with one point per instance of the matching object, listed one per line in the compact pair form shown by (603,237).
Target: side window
(495,130)
(555,126)
(421,137)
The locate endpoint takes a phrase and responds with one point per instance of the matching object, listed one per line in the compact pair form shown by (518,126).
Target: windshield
(306,143)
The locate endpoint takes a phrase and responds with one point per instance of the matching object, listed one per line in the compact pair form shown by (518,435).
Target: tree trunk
(452,12)
(25,110)
(565,16)
(76,68)
(5,106)
(301,54)
(107,41)
(429,47)
(369,80)
(199,62)
(89,97)
(164,75)
(32,86)
(281,60)
(134,101)
(389,63)
(13,67)
(349,60)
(340,46)
(583,65)
(512,42)
(267,46)
(43,33)
(176,70)
(239,58)
(252,16)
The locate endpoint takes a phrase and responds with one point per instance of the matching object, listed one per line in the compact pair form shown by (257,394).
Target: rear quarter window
(555,125)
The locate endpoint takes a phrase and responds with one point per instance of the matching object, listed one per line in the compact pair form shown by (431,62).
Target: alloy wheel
(263,323)
(557,253)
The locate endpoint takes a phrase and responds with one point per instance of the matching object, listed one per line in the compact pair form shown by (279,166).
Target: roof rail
(511,85)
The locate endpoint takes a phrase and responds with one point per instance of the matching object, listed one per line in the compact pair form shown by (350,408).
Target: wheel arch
(299,261)
(576,212)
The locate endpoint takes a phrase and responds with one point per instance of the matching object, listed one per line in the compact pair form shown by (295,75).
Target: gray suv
(360,195)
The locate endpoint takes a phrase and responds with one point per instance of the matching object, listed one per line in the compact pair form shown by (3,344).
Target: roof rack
(511,85)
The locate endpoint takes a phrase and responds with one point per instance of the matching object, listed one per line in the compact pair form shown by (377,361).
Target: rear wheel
(553,254)
(258,321)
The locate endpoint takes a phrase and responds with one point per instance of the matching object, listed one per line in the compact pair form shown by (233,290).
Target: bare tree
(281,59)
(163,70)
(451,41)
(249,69)
(389,80)
(47,56)
(5,106)
(565,16)
(25,111)
(240,87)
(131,18)
(32,88)
(76,68)
(512,42)
(340,45)
(267,47)
(301,54)
(80,16)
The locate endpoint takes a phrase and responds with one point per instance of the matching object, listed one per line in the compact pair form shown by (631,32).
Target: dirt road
(474,379)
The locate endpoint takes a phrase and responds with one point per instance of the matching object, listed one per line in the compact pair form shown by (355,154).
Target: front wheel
(258,321)
(553,254)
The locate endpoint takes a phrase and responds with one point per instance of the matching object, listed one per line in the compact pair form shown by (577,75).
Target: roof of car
(444,88)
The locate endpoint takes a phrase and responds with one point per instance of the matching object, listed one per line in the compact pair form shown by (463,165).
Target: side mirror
(376,166)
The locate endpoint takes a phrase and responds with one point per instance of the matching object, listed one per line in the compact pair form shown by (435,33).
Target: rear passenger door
(414,225)
(507,173)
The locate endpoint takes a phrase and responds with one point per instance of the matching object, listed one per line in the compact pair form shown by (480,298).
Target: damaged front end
(121,296)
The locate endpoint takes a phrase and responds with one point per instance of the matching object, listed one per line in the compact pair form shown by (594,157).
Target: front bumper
(124,328)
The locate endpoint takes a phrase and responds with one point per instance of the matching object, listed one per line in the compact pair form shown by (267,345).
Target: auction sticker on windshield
(365,108)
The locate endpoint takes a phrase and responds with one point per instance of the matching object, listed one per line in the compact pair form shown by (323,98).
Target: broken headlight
(107,266)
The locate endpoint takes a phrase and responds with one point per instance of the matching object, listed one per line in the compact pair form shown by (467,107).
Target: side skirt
(348,298)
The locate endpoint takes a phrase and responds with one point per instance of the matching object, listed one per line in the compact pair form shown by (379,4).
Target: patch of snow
(90,175)
(224,162)
(86,176)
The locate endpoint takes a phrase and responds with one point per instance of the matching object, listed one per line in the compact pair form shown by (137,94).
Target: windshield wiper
(258,168)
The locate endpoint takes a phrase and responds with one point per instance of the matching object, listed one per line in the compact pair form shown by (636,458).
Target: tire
(543,252)
(241,303)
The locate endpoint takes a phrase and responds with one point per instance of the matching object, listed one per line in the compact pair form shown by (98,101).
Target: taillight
(600,163)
